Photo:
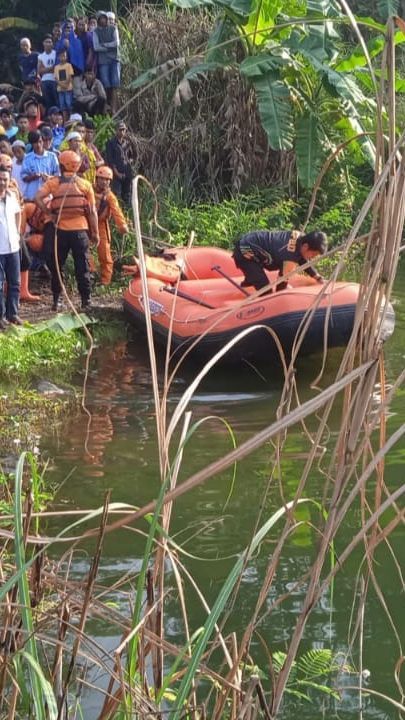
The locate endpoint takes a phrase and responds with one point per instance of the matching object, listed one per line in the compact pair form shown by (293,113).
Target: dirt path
(42,310)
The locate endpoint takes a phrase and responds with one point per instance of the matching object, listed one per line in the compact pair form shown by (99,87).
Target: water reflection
(117,450)
(117,399)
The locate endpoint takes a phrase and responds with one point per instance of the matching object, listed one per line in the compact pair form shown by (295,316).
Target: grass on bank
(51,351)
(221,223)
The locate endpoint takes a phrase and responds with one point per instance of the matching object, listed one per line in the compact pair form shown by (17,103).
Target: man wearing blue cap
(55,118)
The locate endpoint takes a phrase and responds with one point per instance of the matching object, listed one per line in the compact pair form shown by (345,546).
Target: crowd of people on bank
(78,68)
(57,191)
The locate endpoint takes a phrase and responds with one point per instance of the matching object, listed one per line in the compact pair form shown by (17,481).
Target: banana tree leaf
(63,323)
(217,36)
(204,68)
(350,126)
(240,7)
(308,149)
(358,58)
(375,47)
(363,77)
(370,22)
(16,22)
(191,4)
(317,42)
(260,65)
(323,8)
(339,84)
(275,108)
(158,71)
(262,19)
(388,8)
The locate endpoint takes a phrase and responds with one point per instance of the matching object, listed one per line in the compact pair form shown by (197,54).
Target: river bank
(39,360)
(102,298)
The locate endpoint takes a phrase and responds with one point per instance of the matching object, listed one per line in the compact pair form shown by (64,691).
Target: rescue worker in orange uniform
(107,207)
(35,221)
(74,216)
(25,260)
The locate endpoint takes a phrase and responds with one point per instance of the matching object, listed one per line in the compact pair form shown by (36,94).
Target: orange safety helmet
(35,242)
(6,161)
(104,172)
(70,161)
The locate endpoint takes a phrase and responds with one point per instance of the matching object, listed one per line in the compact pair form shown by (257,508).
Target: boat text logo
(154,307)
(251,312)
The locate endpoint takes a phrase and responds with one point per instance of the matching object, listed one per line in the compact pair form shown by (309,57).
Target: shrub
(220,224)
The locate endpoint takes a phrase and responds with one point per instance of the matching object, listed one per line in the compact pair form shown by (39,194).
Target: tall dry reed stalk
(353,460)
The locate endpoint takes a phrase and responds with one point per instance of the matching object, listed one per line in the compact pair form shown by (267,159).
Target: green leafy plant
(52,345)
(311,672)
(220,223)
(104,130)
(289,53)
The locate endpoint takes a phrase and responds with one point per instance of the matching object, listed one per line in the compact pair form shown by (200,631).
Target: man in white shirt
(10,224)
(18,148)
(46,66)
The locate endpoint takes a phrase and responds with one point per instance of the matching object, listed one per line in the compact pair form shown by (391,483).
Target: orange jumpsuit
(108,207)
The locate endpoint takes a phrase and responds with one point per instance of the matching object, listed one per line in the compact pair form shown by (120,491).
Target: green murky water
(216,520)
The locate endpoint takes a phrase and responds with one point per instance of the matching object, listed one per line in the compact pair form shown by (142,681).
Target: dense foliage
(221,223)
(275,77)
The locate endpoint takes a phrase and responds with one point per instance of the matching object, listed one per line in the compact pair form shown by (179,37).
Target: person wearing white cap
(18,148)
(74,118)
(4,102)
(75,142)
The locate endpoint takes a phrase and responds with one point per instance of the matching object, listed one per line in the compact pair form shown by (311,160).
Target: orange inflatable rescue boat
(195,298)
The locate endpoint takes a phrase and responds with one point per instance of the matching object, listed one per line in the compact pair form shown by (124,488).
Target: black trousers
(25,260)
(94,108)
(122,188)
(252,270)
(76,242)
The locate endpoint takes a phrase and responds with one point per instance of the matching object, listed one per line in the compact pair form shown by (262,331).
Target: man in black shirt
(281,250)
(118,155)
